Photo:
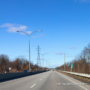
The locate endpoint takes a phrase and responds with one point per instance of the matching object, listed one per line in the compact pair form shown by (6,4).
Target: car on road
(25,71)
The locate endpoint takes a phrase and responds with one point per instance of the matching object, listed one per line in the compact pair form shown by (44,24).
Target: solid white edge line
(73,82)
(32,86)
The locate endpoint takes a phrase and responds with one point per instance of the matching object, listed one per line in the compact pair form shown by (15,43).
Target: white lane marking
(40,79)
(32,86)
(74,82)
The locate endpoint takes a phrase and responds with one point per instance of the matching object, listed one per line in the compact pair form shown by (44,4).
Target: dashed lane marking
(32,86)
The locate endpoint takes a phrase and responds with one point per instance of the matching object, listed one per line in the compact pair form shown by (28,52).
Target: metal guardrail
(78,74)
(9,76)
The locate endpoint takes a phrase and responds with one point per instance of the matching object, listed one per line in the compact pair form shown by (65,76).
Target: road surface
(50,80)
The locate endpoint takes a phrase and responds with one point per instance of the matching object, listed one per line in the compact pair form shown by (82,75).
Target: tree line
(81,64)
(18,65)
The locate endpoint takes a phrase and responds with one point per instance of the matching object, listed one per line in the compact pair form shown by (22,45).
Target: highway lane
(23,83)
(50,80)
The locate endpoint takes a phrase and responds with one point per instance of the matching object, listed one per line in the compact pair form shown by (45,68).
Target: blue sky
(65,26)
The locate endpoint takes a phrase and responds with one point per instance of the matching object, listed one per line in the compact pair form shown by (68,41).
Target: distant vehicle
(34,71)
(25,71)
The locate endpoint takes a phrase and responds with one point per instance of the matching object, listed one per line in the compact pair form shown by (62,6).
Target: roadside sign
(9,68)
(71,65)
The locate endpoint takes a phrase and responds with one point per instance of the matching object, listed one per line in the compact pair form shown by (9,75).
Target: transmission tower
(38,57)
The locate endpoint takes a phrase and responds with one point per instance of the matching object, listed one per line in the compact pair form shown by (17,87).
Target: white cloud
(59,53)
(39,35)
(22,56)
(70,56)
(14,27)
(7,25)
(39,59)
(29,32)
(18,27)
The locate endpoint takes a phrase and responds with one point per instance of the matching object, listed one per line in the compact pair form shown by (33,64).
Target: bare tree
(4,63)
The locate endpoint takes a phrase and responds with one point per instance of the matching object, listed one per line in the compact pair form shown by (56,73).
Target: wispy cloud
(22,56)
(72,48)
(39,35)
(70,56)
(29,32)
(83,0)
(18,27)
(39,59)
(14,27)
(27,50)
(59,53)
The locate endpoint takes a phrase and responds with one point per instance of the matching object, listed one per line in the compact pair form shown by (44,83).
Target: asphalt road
(50,80)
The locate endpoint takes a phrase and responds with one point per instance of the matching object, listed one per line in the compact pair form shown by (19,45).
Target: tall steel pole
(88,61)
(43,61)
(46,62)
(29,43)
(43,58)
(38,58)
(29,54)
(64,61)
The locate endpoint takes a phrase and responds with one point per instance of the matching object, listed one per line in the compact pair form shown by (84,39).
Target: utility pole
(29,44)
(88,61)
(38,57)
(43,61)
(46,62)
(89,64)
(64,61)
(43,58)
